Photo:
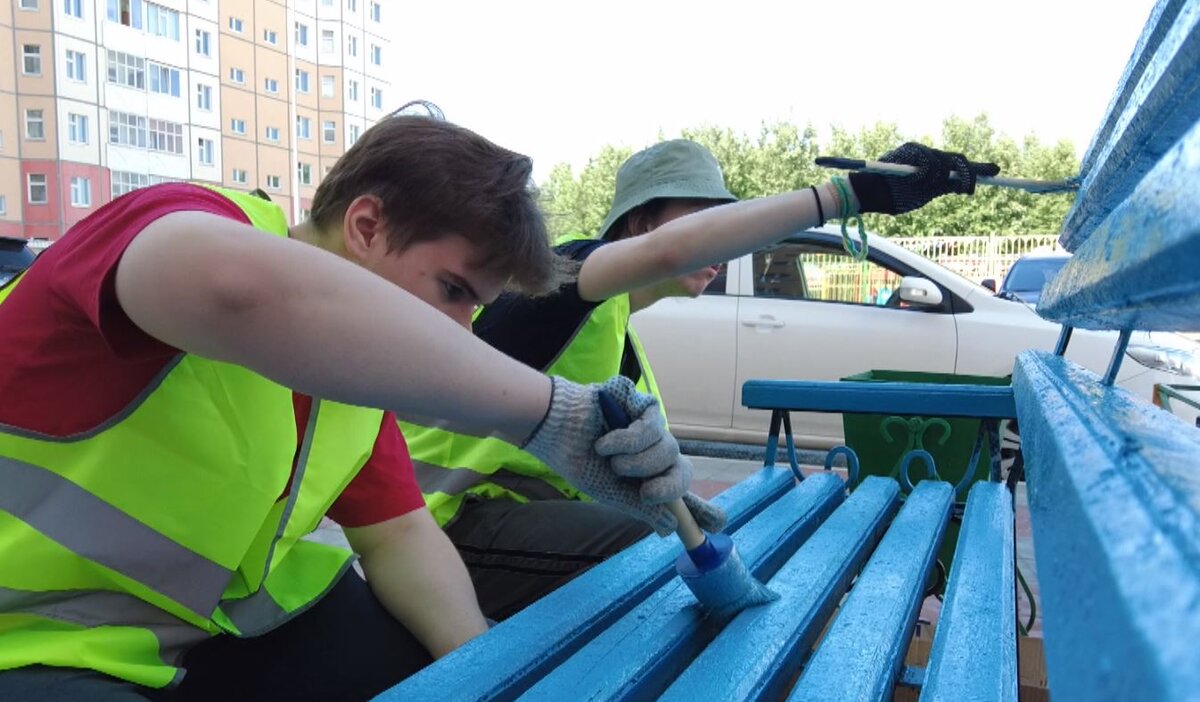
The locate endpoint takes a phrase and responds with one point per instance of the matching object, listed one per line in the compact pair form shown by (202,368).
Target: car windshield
(1031,275)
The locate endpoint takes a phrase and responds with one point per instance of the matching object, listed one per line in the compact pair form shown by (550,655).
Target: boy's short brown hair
(436,178)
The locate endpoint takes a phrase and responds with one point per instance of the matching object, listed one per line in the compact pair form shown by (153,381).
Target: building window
(126,12)
(164,79)
(301,80)
(237,126)
(354,132)
(352,90)
(236,25)
(77,66)
(377,54)
(32,55)
(377,98)
(162,21)
(329,131)
(204,151)
(301,34)
(240,176)
(352,45)
(37,188)
(127,129)
(3,205)
(124,69)
(327,3)
(166,137)
(327,86)
(203,43)
(352,5)
(303,128)
(273,182)
(376,9)
(271,85)
(272,133)
(304,173)
(35,125)
(77,128)
(327,41)
(73,8)
(81,192)
(127,181)
(203,97)
(270,37)
(29,4)
(237,75)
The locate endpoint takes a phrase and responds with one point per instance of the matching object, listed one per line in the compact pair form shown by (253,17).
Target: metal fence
(977,257)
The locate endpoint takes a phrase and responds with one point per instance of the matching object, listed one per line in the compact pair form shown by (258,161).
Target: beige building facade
(99,97)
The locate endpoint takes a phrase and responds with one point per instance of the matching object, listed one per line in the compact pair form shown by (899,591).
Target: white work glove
(635,469)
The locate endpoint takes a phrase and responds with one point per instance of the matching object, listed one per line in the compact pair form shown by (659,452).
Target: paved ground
(713,475)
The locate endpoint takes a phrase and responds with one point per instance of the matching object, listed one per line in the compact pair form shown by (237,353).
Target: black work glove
(890,194)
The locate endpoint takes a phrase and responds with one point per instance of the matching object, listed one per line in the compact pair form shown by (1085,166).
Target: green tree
(780,158)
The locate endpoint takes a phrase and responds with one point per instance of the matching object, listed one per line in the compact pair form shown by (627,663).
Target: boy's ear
(362,226)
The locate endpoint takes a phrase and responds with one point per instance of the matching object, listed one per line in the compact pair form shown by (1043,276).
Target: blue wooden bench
(1113,484)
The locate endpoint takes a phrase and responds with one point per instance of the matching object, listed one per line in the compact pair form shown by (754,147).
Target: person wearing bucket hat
(522,531)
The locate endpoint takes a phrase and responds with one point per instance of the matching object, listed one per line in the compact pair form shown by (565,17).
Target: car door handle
(763,322)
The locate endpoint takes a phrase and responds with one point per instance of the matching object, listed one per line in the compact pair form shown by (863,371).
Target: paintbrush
(711,566)
(1029,185)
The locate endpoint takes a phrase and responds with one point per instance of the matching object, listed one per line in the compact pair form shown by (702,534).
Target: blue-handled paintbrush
(711,567)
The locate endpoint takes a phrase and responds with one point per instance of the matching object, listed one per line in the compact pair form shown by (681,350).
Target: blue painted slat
(756,655)
(519,650)
(1114,496)
(930,399)
(974,654)
(1139,269)
(863,651)
(1158,102)
(639,655)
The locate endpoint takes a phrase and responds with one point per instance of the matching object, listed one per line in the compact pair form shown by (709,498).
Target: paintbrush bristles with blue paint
(711,566)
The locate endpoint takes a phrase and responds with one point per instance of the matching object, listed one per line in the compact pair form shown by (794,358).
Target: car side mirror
(989,283)
(919,291)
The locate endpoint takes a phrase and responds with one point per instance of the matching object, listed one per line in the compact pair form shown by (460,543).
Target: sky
(558,80)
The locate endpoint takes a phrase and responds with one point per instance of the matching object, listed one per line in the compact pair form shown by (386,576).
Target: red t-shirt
(70,358)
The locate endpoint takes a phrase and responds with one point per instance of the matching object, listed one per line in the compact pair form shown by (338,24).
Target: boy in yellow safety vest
(190,385)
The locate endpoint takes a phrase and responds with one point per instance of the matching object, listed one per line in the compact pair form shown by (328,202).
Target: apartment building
(98,97)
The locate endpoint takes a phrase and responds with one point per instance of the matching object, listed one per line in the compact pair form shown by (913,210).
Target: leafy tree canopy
(780,158)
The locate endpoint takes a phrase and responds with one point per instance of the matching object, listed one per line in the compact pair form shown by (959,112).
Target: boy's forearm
(420,579)
(700,239)
(320,325)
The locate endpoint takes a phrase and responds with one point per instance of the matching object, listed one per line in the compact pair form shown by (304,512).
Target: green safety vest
(123,546)
(451,466)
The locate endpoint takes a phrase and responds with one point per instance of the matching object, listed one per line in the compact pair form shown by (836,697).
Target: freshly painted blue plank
(756,655)
(519,650)
(639,655)
(1114,496)
(983,401)
(1157,102)
(1139,269)
(974,654)
(863,651)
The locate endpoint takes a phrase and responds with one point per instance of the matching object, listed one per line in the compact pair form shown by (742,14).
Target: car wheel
(1010,447)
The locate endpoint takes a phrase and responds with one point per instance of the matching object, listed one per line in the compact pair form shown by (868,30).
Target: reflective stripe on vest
(450,466)
(102,565)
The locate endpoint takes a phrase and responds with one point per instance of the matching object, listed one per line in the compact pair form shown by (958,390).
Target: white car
(804,309)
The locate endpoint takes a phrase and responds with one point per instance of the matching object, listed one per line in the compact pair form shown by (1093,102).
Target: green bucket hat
(677,169)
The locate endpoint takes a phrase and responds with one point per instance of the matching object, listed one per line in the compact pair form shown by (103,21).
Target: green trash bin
(881,441)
